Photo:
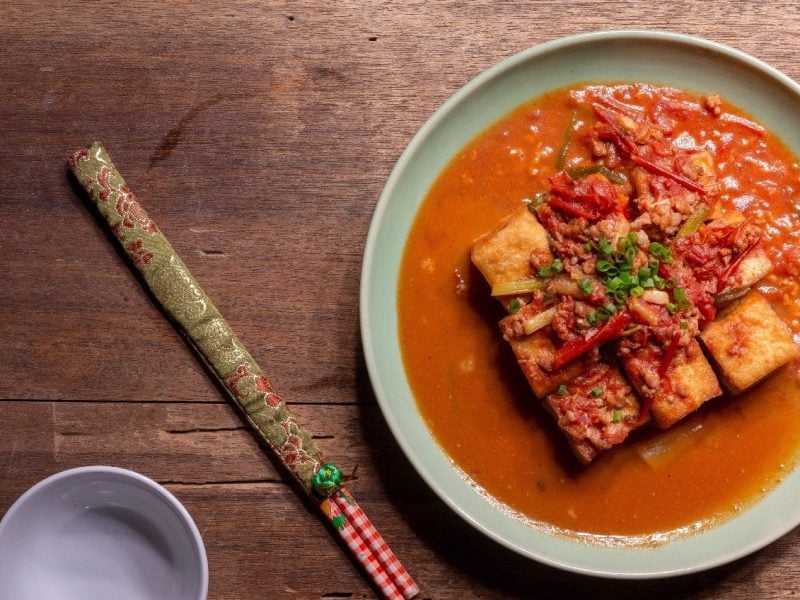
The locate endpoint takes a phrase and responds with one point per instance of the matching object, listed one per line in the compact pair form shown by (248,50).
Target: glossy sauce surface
(476,402)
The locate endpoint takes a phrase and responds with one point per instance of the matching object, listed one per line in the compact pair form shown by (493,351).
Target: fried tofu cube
(504,255)
(533,341)
(748,341)
(755,266)
(596,410)
(535,354)
(690,382)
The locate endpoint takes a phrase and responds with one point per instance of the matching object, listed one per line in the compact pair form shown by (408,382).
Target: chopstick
(367,545)
(191,310)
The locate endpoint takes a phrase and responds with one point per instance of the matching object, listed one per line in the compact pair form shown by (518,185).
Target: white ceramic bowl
(93,533)
(671,59)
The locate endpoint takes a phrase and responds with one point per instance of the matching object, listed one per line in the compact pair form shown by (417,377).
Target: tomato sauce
(477,403)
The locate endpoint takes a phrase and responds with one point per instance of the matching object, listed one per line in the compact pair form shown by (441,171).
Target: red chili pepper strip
(659,170)
(604,113)
(593,197)
(620,138)
(570,208)
(733,231)
(664,385)
(612,329)
(665,388)
(731,269)
(617,106)
(644,410)
(669,355)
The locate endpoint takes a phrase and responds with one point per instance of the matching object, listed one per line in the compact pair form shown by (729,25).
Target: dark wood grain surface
(259,136)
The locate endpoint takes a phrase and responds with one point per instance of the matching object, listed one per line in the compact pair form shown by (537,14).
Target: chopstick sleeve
(188,306)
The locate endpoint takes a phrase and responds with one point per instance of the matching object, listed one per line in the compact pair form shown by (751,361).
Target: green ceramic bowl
(671,59)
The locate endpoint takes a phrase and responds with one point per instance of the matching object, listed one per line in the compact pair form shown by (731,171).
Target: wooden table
(259,136)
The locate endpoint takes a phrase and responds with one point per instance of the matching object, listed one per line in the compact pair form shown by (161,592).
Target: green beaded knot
(326,480)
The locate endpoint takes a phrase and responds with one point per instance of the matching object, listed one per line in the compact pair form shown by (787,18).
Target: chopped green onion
(617,416)
(606,267)
(610,308)
(588,246)
(584,170)
(597,392)
(562,389)
(520,286)
(601,314)
(693,223)
(514,306)
(660,252)
(631,330)
(730,295)
(543,319)
(671,308)
(683,325)
(620,280)
(618,178)
(586,285)
(549,270)
(539,199)
(562,155)
(680,297)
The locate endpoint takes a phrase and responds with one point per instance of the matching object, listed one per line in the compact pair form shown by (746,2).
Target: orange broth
(477,403)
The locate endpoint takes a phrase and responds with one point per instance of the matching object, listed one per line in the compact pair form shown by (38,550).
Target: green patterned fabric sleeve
(188,305)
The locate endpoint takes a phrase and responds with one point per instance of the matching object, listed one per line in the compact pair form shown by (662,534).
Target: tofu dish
(599,309)
(627,278)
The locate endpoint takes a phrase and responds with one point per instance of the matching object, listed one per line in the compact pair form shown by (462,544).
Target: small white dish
(97,533)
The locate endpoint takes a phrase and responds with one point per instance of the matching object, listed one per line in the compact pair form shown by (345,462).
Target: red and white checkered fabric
(380,553)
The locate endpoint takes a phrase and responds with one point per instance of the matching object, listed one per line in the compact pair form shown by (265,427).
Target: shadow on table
(501,572)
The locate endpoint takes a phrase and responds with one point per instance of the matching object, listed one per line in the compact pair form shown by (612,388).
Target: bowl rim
(368,265)
(121,474)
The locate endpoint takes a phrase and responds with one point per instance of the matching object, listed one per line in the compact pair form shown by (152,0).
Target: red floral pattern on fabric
(138,253)
(243,373)
(292,450)
(126,206)
(76,157)
(243,379)
(132,212)
(105,186)
(270,397)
